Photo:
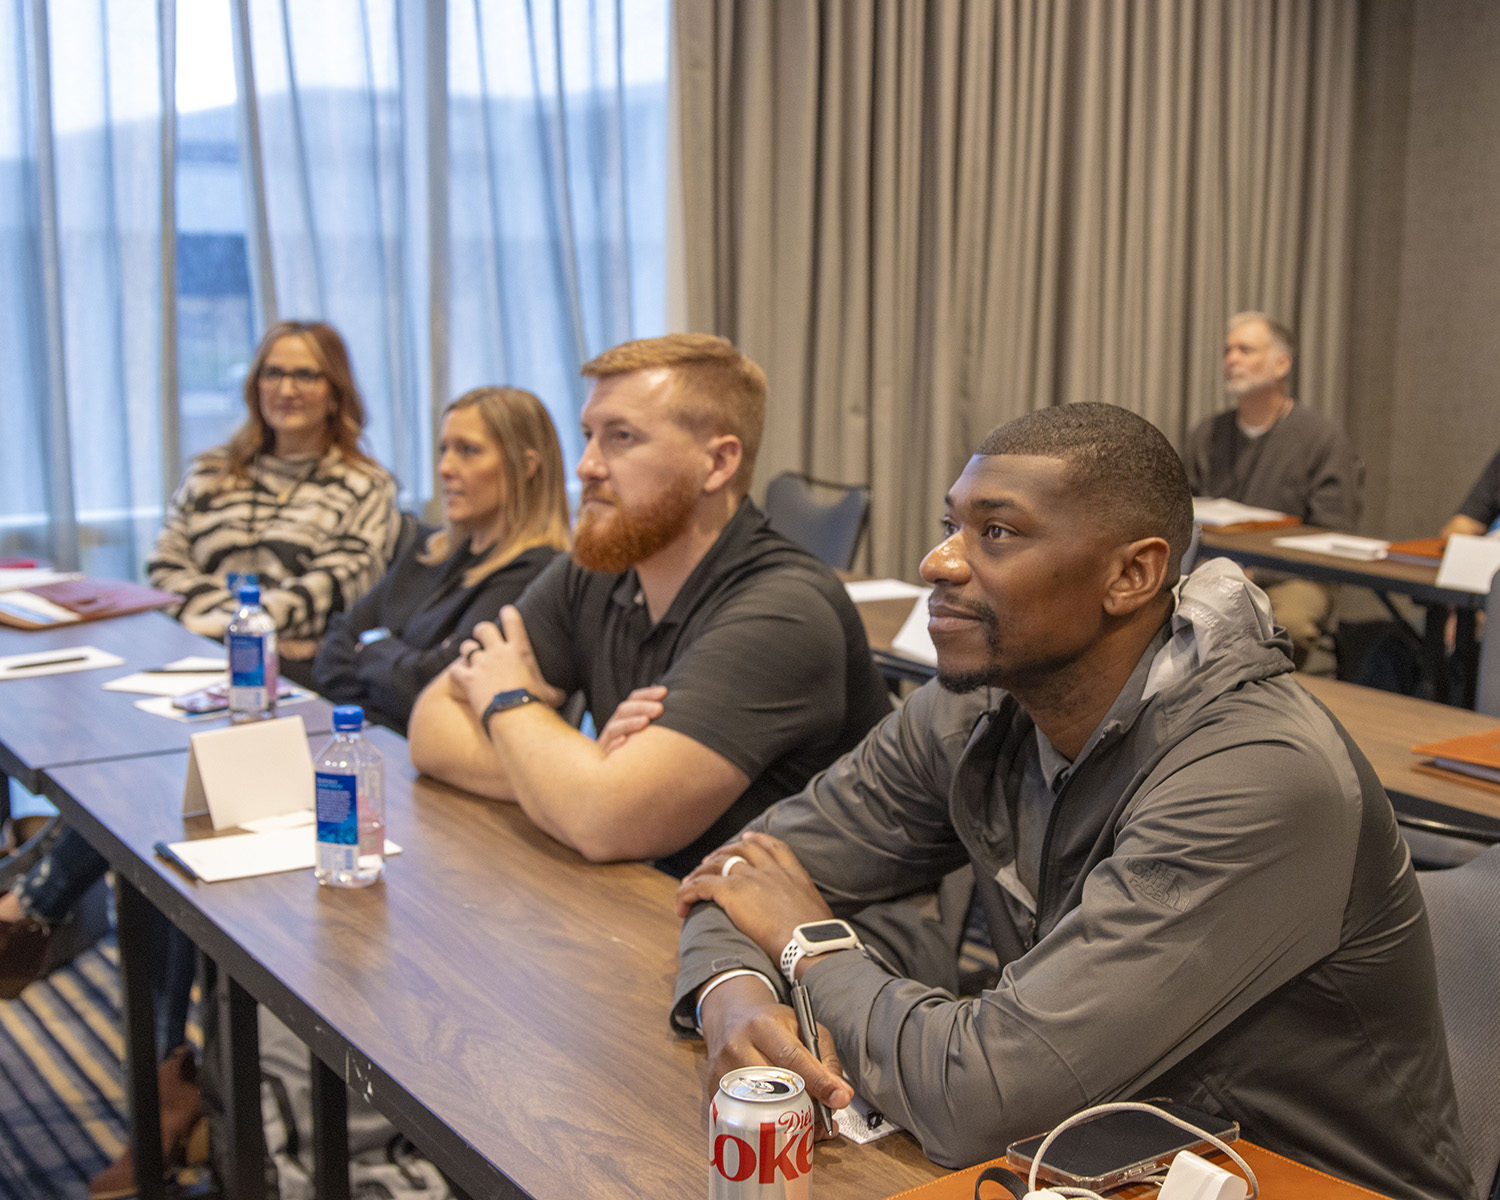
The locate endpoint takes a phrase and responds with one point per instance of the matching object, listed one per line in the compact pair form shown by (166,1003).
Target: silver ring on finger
(730,861)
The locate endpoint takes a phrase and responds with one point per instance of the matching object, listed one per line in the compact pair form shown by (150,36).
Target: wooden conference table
(500,999)
(1383,577)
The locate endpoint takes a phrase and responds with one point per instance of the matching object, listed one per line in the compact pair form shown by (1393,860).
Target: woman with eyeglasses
(290,498)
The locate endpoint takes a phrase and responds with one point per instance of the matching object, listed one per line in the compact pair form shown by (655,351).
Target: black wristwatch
(505,701)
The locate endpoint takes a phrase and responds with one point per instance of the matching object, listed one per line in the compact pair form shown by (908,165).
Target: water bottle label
(247,660)
(338,809)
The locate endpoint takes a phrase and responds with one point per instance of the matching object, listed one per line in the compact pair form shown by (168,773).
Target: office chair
(1463,907)
(831,531)
(1487,693)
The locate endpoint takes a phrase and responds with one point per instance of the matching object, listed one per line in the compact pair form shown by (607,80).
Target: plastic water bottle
(252,659)
(351,804)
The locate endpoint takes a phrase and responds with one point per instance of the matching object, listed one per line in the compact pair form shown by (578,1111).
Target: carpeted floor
(62,1100)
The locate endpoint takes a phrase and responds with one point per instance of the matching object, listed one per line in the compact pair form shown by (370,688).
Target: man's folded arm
(648,798)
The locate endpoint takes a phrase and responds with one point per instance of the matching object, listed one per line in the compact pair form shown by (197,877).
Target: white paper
(862,590)
(35,609)
(28,577)
(1214,512)
(241,855)
(260,769)
(861,1123)
(206,671)
(913,640)
(13,666)
(1469,563)
(1341,545)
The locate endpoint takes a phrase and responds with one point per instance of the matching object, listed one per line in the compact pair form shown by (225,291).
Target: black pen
(176,860)
(47,662)
(807,1027)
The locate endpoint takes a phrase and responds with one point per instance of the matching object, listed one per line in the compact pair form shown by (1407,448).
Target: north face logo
(1157,881)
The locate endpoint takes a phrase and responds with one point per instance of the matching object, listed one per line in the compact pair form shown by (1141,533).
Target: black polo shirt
(762,654)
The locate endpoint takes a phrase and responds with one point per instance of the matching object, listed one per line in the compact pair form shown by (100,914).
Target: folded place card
(912,639)
(239,774)
(1469,563)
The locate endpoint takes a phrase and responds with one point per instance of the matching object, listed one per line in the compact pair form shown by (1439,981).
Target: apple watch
(505,701)
(816,937)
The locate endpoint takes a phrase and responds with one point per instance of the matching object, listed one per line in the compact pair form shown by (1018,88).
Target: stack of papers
(242,855)
(1340,545)
(1474,754)
(1223,514)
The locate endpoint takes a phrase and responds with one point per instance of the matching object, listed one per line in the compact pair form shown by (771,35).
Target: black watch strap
(505,701)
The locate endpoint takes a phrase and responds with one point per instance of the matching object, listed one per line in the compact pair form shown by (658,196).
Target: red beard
(617,538)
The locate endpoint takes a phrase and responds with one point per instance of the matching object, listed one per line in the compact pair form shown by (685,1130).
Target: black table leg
(1435,653)
(133,918)
(330,1116)
(247,1170)
(1466,657)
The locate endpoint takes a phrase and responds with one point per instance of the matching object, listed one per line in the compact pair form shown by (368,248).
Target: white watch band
(790,957)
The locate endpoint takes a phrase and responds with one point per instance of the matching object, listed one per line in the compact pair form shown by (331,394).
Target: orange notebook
(1423,551)
(1476,754)
(1254,526)
(82,600)
(1280,1179)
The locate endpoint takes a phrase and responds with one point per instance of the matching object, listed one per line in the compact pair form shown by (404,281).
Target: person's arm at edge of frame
(646,798)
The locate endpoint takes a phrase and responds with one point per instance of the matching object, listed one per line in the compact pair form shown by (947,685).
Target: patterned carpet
(62,1100)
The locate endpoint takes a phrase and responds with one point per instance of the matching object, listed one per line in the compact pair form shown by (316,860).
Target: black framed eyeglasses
(302,377)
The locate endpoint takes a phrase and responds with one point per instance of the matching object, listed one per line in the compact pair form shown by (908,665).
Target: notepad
(243,855)
(1474,754)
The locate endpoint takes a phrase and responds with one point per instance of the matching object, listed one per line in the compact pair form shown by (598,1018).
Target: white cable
(1100,1110)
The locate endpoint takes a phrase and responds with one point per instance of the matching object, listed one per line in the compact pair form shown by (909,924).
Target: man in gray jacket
(1192,876)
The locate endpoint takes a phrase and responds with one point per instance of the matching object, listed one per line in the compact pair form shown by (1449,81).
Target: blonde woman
(506,516)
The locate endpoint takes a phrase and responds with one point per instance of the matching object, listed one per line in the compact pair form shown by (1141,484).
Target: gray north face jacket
(1225,914)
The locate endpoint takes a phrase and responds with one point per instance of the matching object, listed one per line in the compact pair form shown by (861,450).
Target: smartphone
(1118,1147)
(204,700)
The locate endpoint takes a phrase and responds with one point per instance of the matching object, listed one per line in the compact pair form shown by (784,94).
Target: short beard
(963,682)
(625,537)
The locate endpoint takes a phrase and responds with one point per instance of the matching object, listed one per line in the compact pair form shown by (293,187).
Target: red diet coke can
(760,1138)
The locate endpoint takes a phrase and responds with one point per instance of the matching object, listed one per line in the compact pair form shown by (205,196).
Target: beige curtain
(925,217)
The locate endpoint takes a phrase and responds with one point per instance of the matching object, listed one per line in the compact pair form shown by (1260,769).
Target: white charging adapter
(1193,1178)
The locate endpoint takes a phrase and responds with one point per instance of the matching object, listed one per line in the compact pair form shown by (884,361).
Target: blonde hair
(533,502)
(346,422)
(719,389)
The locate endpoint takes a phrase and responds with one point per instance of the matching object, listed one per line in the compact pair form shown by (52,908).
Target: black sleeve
(334,669)
(765,677)
(549,608)
(393,672)
(1482,504)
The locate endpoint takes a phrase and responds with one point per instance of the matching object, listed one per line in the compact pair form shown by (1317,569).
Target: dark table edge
(1423,593)
(463,1163)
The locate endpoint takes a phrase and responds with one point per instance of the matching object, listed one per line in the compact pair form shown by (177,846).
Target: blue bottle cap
(348,716)
(249,593)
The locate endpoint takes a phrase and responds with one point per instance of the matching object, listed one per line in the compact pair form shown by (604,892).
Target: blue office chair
(1463,907)
(833,530)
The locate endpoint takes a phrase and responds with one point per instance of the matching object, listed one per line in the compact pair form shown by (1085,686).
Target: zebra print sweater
(318,532)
